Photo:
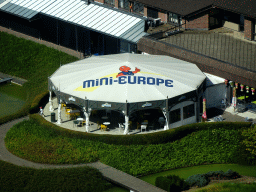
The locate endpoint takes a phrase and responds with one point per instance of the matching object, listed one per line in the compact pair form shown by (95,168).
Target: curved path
(109,173)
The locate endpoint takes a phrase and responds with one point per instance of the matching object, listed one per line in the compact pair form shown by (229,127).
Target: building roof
(94,17)
(245,7)
(180,7)
(187,7)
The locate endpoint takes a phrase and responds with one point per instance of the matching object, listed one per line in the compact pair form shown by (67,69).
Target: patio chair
(104,127)
(121,126)
(75,122)
(138,126)
(143,127)
(130,124)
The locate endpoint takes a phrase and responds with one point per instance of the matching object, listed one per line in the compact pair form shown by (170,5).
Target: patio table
(80,120)
(144,123)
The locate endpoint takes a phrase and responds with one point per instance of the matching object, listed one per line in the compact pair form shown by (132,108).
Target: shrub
(179,182)
(163,183)
(199,180)
(231,174)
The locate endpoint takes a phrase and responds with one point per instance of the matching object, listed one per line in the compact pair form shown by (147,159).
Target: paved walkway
(109,173)
(16,80)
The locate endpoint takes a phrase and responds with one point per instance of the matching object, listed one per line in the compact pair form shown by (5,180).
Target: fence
(221,46)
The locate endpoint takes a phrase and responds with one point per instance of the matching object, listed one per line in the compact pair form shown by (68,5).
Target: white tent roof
(184,77)
(213,80)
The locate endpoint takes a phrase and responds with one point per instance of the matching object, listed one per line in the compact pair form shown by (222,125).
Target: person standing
(42,112)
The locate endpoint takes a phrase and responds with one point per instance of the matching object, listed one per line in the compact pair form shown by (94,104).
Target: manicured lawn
(31,61)
(188,171)
(16,178)
(12,98)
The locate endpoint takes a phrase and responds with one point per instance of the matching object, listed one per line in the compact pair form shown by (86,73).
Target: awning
(94,16)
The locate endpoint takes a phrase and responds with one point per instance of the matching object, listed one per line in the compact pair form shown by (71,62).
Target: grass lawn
(12,98)
(188,171)
(31,61)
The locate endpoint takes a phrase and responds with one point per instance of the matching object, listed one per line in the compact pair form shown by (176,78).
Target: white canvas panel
(71,78)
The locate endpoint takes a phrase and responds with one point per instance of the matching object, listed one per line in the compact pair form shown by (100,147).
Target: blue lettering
(121,80)
(158,81)
(106,81)
(141,79)
(168,83)
(129,79)
(88,83)
(111,80)
(153,81)
(97,82)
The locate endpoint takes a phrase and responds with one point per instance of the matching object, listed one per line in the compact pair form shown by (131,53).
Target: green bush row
(141,139)
(43,144)
(201,180)
(172,183)
(15,178)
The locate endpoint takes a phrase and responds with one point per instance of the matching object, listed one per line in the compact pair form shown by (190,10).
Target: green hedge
(31,141)
(141,139)
(15,178)
(39,100)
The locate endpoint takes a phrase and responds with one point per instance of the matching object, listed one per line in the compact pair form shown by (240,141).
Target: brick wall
(206,64)
(101,1)
(198,22)
(163,16)
(145,11)
(248,29)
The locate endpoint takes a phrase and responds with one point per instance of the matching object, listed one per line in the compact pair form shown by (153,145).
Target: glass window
(152,13)
(110,2)
(188,111)
(175,116)
(124,4)
(173,18)
(138,8)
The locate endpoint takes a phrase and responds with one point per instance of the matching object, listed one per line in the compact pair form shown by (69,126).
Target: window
(175,116)
(124,4)
(188,111)
(110,2)
(152,13)
(173,18)
(138,8)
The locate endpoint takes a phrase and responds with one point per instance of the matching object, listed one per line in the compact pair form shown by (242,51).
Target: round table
(106,123)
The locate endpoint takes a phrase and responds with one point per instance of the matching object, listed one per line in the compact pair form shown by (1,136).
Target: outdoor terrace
(114,118)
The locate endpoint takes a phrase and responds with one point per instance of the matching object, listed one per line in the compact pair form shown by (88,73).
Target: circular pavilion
(130,82)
